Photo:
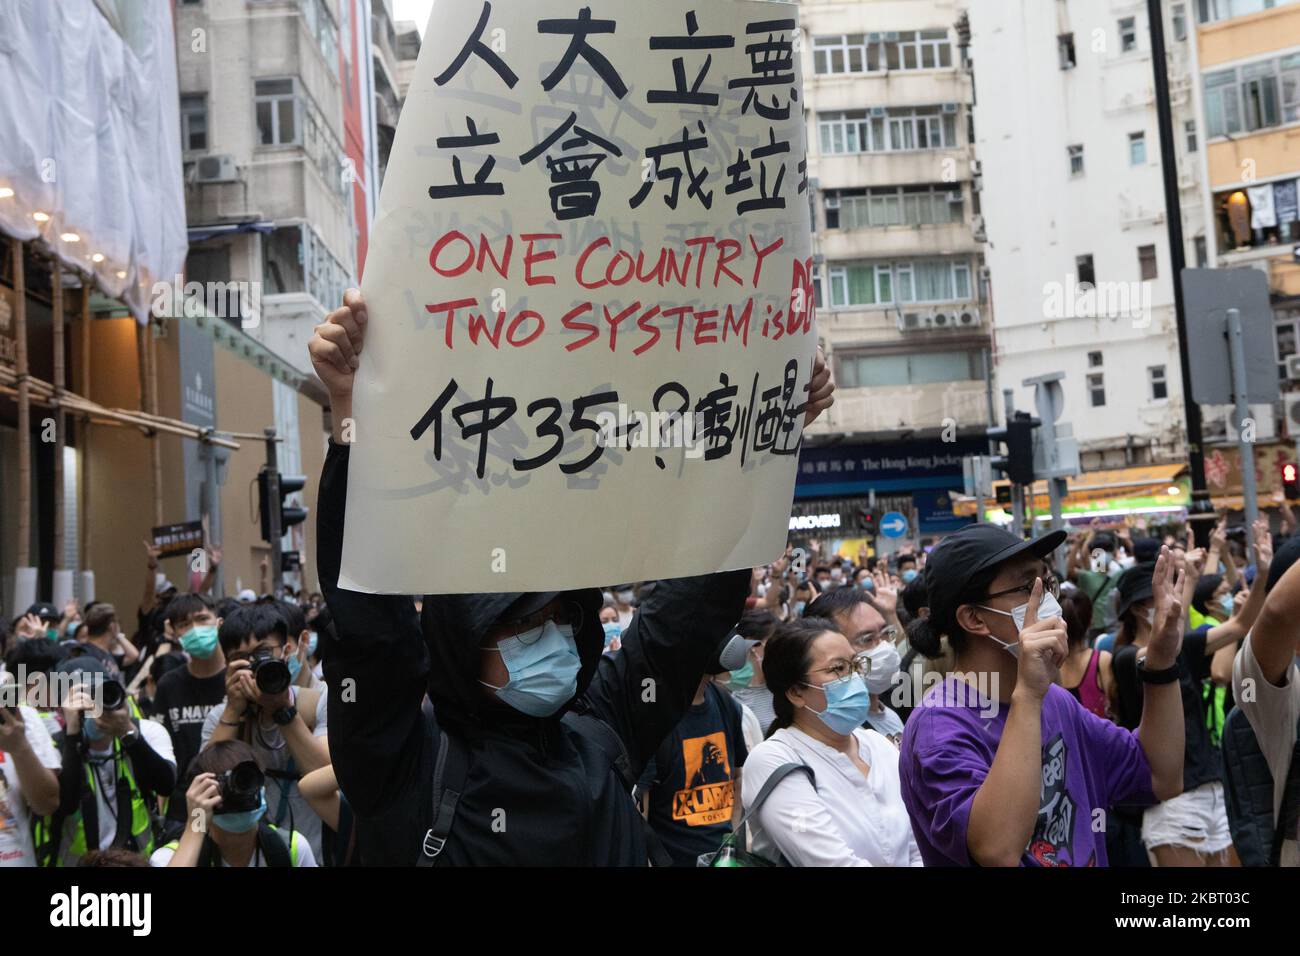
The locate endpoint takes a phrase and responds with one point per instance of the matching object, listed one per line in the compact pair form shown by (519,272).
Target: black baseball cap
(45,611)
(961,557)
(1134,585)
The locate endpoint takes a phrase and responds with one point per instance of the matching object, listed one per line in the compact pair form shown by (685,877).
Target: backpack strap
(586,724)
(272,845)
(741,832)
(450,769)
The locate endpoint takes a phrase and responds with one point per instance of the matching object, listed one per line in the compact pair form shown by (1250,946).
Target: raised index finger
(1035,599)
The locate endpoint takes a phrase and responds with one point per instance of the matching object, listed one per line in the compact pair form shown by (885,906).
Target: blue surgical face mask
(1225,603)
(90,730)
(612,630)
(867,584)
(798,608)
(909,575)
(742,676)
(543,665)
(240,822)
(311,644)
(847,703)
(295,665)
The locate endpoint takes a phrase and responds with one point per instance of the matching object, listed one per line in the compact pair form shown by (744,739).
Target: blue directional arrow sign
(893,525)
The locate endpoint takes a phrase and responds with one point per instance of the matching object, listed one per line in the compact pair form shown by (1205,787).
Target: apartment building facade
(1249,61)
(1075,213)
(903,310)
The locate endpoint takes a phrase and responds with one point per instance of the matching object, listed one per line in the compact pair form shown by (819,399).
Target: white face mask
(884,665)
(1047,607)
(624,597)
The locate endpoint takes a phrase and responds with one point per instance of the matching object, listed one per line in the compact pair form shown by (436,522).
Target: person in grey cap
(1000,765)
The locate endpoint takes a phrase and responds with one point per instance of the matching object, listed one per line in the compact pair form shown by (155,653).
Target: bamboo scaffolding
(56,283)
(22,554)
(42,393)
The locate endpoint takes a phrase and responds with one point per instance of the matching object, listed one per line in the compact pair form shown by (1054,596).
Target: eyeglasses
(889,632)
(570,613)
(859,664)
(1051,585)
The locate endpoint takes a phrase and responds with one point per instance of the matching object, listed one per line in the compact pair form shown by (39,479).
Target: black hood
(455,626)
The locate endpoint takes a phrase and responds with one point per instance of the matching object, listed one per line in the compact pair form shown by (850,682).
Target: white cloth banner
(595,219)
(90,138)
(1261,207)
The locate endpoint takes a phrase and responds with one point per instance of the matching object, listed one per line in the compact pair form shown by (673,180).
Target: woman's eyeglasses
(859,664)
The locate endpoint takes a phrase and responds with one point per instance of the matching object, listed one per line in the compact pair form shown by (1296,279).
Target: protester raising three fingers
(1000,765)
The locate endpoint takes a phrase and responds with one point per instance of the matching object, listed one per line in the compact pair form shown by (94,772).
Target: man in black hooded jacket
(536,790)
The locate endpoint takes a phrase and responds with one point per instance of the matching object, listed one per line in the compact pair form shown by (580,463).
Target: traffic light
(867,521)
(1018,436)
(1291,481)
(272,489)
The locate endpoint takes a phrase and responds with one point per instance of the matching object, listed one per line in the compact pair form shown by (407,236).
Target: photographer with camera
(115,765)
(284,724)
(226,802)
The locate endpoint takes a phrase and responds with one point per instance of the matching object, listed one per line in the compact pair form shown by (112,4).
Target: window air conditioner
(218,168)
(969,317)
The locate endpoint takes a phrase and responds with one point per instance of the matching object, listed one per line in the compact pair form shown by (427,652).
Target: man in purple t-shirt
(1000,766)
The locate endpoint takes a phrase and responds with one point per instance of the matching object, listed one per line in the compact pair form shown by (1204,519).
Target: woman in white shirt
(854,816)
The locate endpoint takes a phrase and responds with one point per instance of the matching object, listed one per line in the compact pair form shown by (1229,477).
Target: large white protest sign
(590,298)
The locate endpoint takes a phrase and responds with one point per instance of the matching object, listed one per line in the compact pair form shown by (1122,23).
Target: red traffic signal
(1291,481)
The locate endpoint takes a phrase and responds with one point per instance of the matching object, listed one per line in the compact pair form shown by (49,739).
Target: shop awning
(204,233)
(1137,490)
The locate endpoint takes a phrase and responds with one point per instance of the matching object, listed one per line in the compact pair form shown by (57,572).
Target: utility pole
(1178,260)
(272,515)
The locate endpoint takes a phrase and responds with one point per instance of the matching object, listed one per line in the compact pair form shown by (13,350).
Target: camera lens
(271,675)
(114,695)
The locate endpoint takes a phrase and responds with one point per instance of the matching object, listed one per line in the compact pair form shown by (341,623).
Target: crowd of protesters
(1106,697)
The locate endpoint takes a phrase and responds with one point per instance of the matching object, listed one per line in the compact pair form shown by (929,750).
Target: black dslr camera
(241,788)
(113,695)
(270,673)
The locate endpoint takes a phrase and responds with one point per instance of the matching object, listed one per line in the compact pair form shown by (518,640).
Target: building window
(194,122)
(1065,50)
(907,281)
(1147,262)
(1094,360)
(875,52)
(277,112)
(1189,131)
(1178,14)
(1137,149)
(1259,90)
(894,206)
(1128,35)
(1076,159)
(320,24)
(1084,273)
(917,368)
(294,259)
(845,54)
(1097,390)
(1159,384)
(881,130)
(1210,11)
(1251,97)
(1202,252)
